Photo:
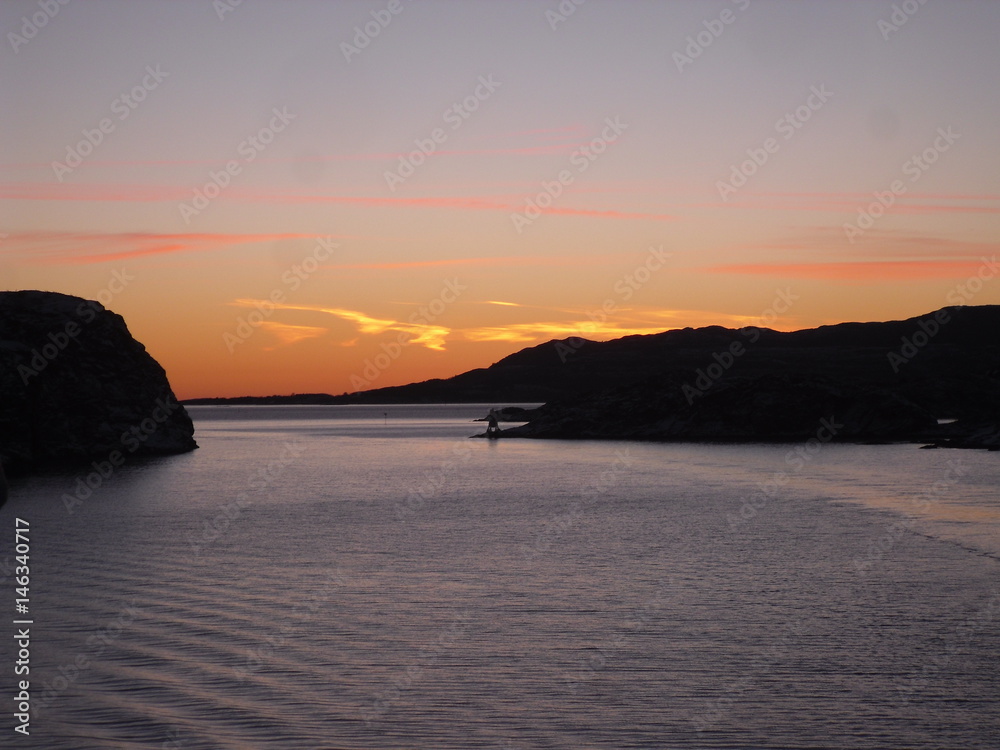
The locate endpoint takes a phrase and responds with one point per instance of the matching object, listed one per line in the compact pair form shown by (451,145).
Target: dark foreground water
(337,578)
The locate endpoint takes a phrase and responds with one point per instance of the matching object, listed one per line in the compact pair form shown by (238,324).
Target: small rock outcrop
(75,386)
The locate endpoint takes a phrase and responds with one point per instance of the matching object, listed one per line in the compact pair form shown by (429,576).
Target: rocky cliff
(75,386)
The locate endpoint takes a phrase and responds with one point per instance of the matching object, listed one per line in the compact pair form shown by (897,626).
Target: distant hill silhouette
(875,381)
(896,379)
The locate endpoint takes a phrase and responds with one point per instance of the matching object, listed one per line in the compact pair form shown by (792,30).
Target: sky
(298,197)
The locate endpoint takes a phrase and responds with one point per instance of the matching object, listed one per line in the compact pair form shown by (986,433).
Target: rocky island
(76,387)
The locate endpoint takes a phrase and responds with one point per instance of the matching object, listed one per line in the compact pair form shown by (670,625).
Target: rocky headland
(77,388)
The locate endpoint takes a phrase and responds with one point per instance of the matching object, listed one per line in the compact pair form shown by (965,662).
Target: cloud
(435,337)
(546,330)
(850,203)
(476,203)
(861,271)
(291,334)
(117,193)
(628,322)
(110,193)
(538,144)
(423,334)
(72,248)
(504,261)
(701,318)
(575,131)
(876,245)
(895,243)
(622,322)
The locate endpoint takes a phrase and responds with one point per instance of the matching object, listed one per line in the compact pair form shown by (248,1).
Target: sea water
(371,577)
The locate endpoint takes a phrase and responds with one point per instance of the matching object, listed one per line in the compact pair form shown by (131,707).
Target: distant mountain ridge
(858,382)
(891,380)
(964,345)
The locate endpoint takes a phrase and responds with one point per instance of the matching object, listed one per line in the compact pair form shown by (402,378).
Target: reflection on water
(317,578)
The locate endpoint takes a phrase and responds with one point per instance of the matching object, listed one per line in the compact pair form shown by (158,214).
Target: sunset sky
(247,183)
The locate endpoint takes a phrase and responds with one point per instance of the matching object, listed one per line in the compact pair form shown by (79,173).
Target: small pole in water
(386,415)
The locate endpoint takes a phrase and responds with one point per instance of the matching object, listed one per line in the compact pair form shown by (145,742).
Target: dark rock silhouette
(876,381)
(953,374)
(889,380)
(75,386)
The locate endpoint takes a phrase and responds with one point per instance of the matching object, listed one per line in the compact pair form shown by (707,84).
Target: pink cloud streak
(900,270)
(168,193)
(78,248)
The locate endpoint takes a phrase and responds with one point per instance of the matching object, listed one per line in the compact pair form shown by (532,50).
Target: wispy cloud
(699,318)
(876,244)
(73,248)
(422,334)
(624,322)
(117,193)
(530,142)
(291,334)
(850,202)
(501,261)
(78,248)
(546,330)
(627,322)
(861,271)
(578,132)
(903,244)
(474,203)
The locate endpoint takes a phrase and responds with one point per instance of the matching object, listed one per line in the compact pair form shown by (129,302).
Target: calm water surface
(339,577)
